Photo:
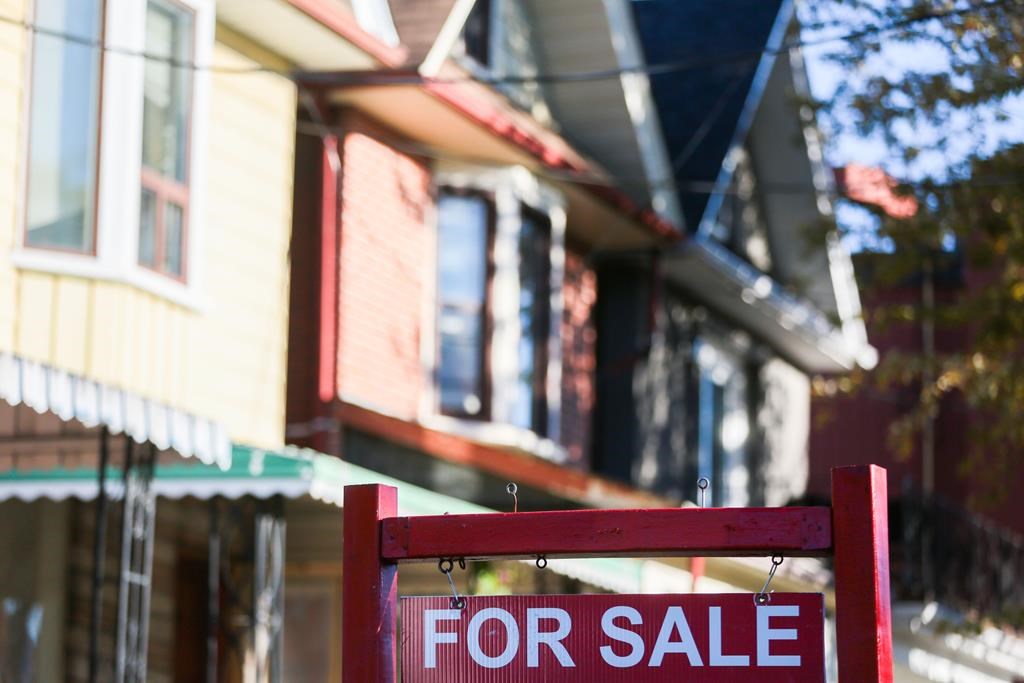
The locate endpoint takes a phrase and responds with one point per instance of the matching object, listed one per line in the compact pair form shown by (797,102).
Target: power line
(99,44)
(689,187)
(407,78)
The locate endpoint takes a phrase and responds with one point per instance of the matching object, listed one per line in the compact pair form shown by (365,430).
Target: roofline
(497,122)
(804,322)
(332,15)
(643,112)
(746,118)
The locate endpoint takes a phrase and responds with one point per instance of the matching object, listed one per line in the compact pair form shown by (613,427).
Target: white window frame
(511,188)
(120,163)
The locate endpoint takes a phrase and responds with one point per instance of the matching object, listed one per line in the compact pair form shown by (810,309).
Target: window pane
(167,89)
(529,409)
(173,233)
(723,427)
(147,229)
(461,360)
(64,124)
(462,285)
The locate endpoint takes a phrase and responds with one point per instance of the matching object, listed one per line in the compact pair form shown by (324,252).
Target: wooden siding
(225,358)
(13,44)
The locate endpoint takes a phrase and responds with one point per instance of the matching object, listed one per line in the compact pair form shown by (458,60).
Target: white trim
(446,38)
(374,17)
(499,435)
(120,163)
(643,113)
(92,268)
(840,264)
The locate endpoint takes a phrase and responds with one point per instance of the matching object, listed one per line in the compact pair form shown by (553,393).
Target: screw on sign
(636,638)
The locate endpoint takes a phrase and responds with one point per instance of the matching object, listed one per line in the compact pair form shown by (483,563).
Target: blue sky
(895,59)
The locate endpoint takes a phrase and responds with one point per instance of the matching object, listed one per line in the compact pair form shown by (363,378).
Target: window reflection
(64,125)
(463,230)
(723,425)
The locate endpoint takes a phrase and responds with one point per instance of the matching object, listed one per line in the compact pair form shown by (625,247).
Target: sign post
(680,628)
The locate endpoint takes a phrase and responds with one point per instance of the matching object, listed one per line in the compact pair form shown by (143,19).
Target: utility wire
(383,78)
(689,187)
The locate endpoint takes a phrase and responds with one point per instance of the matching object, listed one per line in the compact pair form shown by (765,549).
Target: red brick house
(476,300)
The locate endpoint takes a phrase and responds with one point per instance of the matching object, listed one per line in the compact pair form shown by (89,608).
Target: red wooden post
(860,536)
(327,379)
(369,587)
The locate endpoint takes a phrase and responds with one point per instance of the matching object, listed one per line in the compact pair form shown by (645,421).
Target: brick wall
(386,262)
(578,358)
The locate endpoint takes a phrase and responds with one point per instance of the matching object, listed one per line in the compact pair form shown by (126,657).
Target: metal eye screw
(703,483)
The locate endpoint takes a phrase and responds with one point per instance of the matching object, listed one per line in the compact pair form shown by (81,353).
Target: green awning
(297,473)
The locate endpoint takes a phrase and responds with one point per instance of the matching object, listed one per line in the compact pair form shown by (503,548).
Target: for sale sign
(598,638)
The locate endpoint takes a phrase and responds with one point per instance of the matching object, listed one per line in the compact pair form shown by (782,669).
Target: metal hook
(703,483)
(542,562)
(764,596)
(512,490)
(445,566)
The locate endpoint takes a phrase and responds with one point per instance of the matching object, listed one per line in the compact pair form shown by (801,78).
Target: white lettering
(623,635)
(766,634)
(715,656)
(431,636)
(511,644)
(534,636)
(675,621)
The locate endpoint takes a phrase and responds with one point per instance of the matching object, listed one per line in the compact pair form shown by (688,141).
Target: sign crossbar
(792,531)
(854,530)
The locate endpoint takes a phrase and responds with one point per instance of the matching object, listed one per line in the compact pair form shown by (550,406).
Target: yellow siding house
(146,170)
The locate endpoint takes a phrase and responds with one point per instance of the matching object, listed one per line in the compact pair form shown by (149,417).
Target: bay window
(115,142)
(498,260)
(64,120)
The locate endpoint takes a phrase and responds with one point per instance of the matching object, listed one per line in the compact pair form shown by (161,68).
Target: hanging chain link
(764,596)
(445,566)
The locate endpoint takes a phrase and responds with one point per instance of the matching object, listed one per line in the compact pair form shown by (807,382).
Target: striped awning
(73,397)
(297,473)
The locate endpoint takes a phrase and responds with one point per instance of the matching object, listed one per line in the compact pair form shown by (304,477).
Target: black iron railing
(943,553)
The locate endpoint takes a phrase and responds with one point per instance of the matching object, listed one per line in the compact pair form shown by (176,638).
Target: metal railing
(941,552)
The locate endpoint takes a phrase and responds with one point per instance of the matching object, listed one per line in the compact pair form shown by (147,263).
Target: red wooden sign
(650,638)
(853,531)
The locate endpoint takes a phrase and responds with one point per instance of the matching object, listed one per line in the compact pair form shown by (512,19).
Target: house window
(723,426)
(64,125)
(476,33)
(463,248)
(529,405)
(494,303)
(166,109)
